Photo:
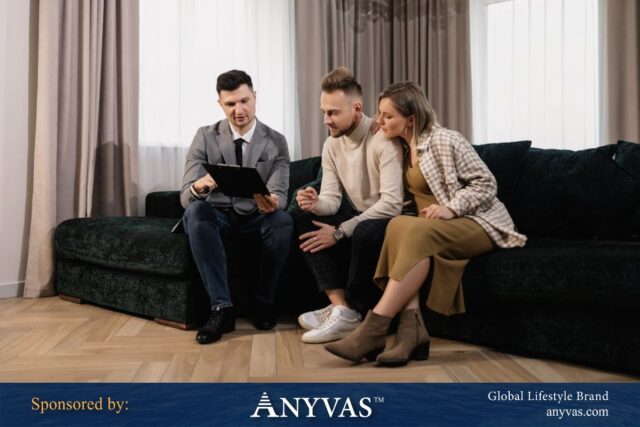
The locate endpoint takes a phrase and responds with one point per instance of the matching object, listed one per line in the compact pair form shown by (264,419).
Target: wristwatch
(338,234)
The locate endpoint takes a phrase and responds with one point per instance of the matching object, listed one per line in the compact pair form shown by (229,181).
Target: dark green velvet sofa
(572,293)
(138,266)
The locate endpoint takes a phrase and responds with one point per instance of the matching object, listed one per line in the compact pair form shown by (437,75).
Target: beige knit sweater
(368,168)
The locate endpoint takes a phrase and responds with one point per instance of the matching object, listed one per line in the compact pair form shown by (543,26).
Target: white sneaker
(340,323)
(313,319)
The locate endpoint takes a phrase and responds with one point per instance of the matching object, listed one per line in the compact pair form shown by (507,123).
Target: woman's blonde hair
(409,99)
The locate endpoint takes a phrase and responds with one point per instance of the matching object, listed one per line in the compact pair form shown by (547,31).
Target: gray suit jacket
(267,152)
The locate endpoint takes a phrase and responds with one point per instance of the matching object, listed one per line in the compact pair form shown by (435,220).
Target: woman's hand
(437,212)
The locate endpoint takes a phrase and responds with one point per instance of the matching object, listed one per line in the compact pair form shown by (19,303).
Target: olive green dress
(449,244)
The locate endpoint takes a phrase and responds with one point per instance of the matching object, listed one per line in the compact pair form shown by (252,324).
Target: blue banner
(320,404)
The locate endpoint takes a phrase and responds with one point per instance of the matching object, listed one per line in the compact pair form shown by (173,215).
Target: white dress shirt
(247,139)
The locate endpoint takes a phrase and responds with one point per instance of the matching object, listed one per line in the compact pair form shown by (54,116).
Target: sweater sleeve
(330,195)
(389,157)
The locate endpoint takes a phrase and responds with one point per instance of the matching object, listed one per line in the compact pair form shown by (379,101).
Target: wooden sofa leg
(71,299)
(177,325)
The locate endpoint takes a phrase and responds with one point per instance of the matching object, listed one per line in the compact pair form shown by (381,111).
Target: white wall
(15,137)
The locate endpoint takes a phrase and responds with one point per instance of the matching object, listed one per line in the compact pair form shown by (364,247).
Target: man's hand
(266,204)
(316,241)
(204,184)
(307,199)
(437,212)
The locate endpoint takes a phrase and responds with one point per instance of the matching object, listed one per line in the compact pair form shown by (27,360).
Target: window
(535,72)
(184,46)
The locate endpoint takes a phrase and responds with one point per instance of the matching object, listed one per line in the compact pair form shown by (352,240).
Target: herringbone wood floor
(58,341)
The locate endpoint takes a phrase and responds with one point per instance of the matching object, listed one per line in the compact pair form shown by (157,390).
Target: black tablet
(237,181)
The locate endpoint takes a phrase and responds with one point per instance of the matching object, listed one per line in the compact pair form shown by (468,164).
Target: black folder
(237,181)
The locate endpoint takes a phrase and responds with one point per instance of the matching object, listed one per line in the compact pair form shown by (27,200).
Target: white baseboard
(11,290)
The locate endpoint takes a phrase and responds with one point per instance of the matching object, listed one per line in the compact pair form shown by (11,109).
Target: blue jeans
(208,228)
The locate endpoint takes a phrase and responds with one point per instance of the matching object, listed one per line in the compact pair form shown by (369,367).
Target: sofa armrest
(163,204)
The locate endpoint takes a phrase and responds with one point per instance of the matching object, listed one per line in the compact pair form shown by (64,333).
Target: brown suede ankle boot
(411,341)
(366,341)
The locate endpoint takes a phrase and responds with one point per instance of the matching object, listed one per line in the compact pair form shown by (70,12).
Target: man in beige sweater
(337,243)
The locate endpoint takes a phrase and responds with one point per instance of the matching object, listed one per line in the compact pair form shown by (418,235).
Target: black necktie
(238,142)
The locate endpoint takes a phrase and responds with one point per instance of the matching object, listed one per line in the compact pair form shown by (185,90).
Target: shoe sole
(305,325)
(226,330)
(320,340)
(369,357)
(419,353)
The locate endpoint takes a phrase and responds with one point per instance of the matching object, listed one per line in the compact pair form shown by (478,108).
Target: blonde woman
(460,217)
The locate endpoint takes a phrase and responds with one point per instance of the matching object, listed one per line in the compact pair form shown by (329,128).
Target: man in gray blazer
(212,218)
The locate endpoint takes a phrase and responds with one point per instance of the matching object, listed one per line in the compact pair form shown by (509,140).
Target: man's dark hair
(341,79)
(232,80)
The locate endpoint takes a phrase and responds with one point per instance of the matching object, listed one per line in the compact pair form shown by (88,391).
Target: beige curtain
(86,121)
(622,62)
(382,42)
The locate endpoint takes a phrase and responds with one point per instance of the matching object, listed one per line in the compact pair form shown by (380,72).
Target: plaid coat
(461,181)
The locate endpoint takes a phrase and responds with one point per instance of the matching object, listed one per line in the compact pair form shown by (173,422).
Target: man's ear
(357,106)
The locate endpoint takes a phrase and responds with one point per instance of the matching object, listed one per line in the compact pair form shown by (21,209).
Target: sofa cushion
(143,245)
(301,172)
(164,204)
(293,207)
(557,272)
(505,160)
(575,194)
(316,183)
(628,158)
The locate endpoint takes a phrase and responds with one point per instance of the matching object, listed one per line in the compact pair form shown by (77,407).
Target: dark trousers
(208,229)
(351,263)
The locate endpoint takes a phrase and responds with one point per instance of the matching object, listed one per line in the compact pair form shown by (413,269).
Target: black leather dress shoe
(265,317)
(220,322)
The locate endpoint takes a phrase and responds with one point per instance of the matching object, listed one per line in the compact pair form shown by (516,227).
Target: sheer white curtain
(184,46)
(535,72)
